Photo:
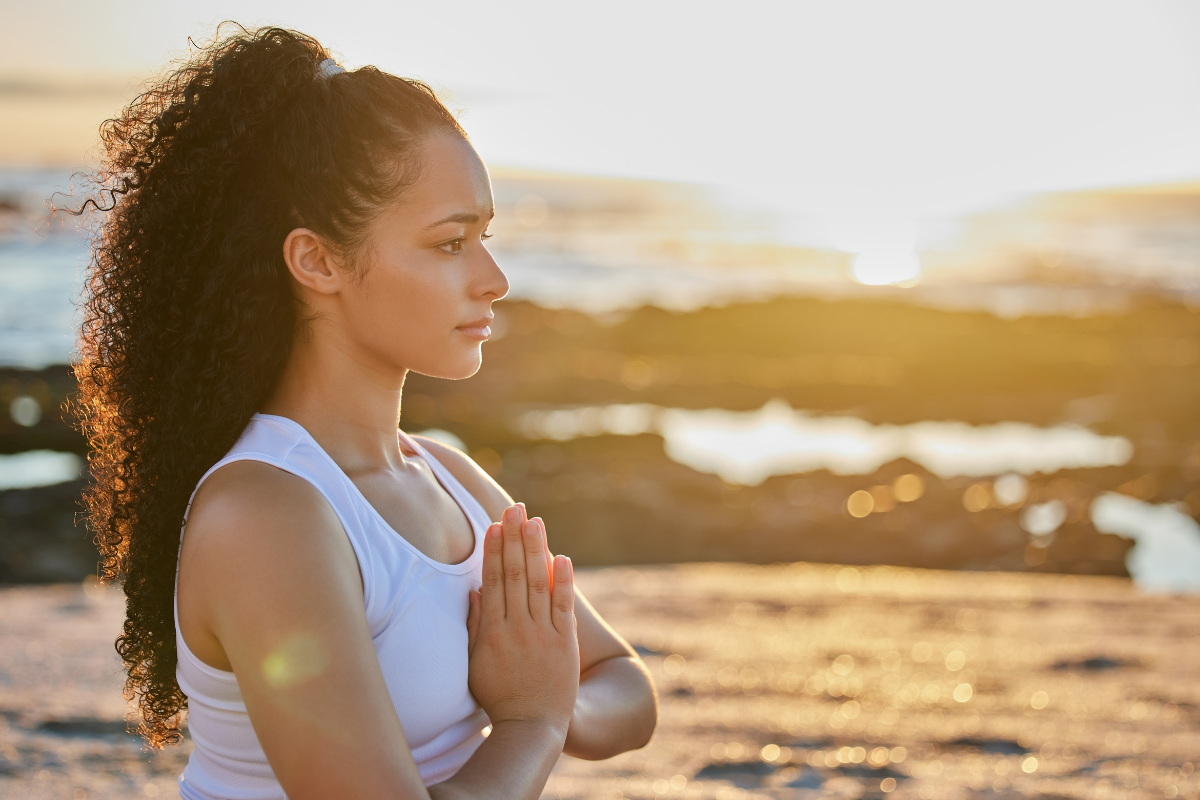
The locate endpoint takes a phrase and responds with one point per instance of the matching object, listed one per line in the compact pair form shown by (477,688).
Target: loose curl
(188,308)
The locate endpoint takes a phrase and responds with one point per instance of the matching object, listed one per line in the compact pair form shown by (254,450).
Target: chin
(453,369)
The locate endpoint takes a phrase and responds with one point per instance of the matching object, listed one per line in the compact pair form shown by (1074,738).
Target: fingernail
(493,530)
(511,514)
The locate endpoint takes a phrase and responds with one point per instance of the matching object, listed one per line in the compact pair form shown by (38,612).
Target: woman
(349,607)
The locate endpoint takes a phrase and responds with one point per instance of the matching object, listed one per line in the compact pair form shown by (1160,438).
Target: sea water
(747,447)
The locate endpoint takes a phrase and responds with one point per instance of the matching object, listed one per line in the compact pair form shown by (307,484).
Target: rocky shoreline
(611,499)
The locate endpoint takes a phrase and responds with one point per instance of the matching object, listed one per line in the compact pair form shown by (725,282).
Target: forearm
(513,763)
(616,710)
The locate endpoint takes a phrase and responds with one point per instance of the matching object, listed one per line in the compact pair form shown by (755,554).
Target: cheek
(404,314)
(393,300)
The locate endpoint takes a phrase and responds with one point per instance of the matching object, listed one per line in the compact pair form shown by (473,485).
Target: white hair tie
(329,68)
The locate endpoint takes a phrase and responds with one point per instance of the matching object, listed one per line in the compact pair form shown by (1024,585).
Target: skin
(551,674)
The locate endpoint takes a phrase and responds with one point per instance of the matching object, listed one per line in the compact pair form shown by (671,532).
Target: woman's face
(423,299)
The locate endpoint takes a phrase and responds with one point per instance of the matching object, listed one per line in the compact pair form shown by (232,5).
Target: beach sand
(787,681)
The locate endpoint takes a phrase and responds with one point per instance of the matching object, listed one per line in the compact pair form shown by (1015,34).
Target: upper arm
(597,640)
(267,570)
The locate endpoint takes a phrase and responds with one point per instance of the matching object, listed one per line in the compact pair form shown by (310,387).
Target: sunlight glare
(880,269)
(1166,556)
(882,235)
(747,447)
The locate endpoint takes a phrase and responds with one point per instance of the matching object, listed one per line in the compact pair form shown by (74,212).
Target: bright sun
(883,238)
(880,268)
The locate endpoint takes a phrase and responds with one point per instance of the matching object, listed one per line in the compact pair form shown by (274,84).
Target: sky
(874,109)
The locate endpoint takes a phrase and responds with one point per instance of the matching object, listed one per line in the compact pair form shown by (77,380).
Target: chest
(416,612)
(416,507)
(420,636)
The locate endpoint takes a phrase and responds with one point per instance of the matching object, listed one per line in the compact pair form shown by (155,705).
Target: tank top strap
(412,443)
(466,501)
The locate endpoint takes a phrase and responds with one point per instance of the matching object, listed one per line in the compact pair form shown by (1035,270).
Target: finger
(516,595)
(549,555)
(492,596)
(563,599)
(539,575)
(473,611)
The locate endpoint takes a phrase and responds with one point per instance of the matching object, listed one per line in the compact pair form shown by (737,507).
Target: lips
(482,322)
(476,329)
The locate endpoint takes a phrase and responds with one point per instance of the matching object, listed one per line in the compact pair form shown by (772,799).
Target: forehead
(452,179)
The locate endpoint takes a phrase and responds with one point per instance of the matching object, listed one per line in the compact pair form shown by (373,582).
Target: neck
(347,401)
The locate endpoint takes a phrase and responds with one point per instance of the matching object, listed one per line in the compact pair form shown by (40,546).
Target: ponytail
(188,311)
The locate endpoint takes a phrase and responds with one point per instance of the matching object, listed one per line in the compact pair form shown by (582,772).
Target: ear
(312,263)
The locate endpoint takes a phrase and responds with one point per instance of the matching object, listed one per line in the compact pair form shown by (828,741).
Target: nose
(492,283)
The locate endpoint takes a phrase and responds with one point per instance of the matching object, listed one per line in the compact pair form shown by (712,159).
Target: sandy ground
(776,682)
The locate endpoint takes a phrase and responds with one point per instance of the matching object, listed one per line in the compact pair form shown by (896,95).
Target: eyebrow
(464,217)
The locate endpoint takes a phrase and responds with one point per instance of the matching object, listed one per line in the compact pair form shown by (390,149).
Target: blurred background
(912,284)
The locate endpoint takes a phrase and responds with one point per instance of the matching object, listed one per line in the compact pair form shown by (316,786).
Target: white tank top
(416,608)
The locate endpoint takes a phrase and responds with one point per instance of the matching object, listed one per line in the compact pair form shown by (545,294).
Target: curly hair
(188,308)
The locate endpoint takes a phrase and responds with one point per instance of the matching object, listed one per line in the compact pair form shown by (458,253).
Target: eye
(453,247)
(485,235)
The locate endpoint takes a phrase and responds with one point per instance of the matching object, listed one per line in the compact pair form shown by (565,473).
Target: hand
(524,654)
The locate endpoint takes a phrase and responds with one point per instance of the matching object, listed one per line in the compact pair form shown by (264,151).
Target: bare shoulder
(253,525)
(255,500)
(482,487)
